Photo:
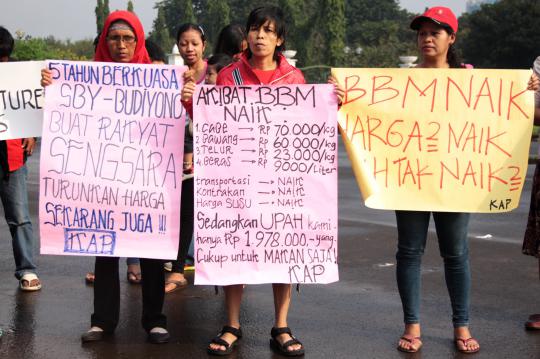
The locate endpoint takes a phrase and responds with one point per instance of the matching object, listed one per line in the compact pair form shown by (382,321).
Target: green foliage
(218,16)
(160,33)
(334,18)
(319,30)
(176,13)
(99,16)
(102,11)
(130,6)
(501,35)
(49,48)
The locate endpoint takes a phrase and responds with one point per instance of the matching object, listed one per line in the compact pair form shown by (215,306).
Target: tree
(218,16)
(99,16)
(318,29)
(160,33)
(334,18)
(177,12)
(102,11)
(130,6)
(501,35)
(106,10)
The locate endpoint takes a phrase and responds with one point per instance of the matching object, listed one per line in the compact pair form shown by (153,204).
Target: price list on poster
(265,184)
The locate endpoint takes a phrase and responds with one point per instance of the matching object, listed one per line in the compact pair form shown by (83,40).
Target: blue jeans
(130,261)
(14,196)
(454,249)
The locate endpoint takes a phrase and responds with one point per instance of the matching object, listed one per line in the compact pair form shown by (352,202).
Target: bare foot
(174,281)
(465,343)
(90,278)
(410,340)
(227,337)
(134,273)
(284,338)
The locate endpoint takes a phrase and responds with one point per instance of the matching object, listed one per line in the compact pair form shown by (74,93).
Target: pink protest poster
(111,160)
(265,184)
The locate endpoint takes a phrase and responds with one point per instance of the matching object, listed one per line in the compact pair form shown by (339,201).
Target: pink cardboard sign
(111,160)
(265,184)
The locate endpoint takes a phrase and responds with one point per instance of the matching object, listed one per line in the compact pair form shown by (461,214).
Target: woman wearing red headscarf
(122,41)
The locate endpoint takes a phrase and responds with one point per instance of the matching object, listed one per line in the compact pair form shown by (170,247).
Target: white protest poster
(21,99)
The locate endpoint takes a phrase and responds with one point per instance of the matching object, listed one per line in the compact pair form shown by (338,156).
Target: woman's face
(191,47)
(433,40)
(211,75)
(263,41)
(121,43)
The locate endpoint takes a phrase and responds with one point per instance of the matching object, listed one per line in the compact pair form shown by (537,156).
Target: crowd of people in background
(251,55)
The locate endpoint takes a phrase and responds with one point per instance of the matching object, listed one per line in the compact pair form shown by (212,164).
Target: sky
(75,19)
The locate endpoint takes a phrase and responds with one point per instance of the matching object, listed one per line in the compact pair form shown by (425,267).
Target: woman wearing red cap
(122,41)
(436,35)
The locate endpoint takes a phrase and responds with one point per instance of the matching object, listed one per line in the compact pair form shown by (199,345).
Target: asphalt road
(357,317)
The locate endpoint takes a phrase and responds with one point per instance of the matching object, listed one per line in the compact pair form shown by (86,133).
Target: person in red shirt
(260,64)
(14,195)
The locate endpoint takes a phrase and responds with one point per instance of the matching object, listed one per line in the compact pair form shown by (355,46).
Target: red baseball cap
(440,15)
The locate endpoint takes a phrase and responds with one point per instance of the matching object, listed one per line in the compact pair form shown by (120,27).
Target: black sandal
(282,348)
(220,341)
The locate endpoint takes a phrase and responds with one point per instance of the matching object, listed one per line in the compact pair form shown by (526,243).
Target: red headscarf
(140,56)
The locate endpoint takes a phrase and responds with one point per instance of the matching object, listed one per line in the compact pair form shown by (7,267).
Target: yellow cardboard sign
(453,140)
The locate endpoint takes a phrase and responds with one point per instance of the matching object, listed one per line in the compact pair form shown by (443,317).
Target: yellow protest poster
(453,140)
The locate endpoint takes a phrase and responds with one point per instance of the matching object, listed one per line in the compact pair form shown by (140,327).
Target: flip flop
(178,284)
(465,342)
(412,340)
(134,278)
(533,323)
(25,283)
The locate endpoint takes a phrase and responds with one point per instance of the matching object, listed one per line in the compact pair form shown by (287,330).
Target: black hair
(259,16)
(189,26)
(230,40)
(6,42)
(154,51)
(220,61)
(96,42)
(452,57)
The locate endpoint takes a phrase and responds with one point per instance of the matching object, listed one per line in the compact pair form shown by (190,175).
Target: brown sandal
(178,284)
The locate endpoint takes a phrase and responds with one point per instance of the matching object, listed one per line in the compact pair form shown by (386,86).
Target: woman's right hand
(46,77)
(187,91)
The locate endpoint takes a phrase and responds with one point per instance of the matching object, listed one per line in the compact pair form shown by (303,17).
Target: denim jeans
(453,247)
(14,196)
(132,261)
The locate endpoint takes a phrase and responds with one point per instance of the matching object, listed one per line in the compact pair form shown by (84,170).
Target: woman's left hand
(28,145)
(534,83)
(338,89)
